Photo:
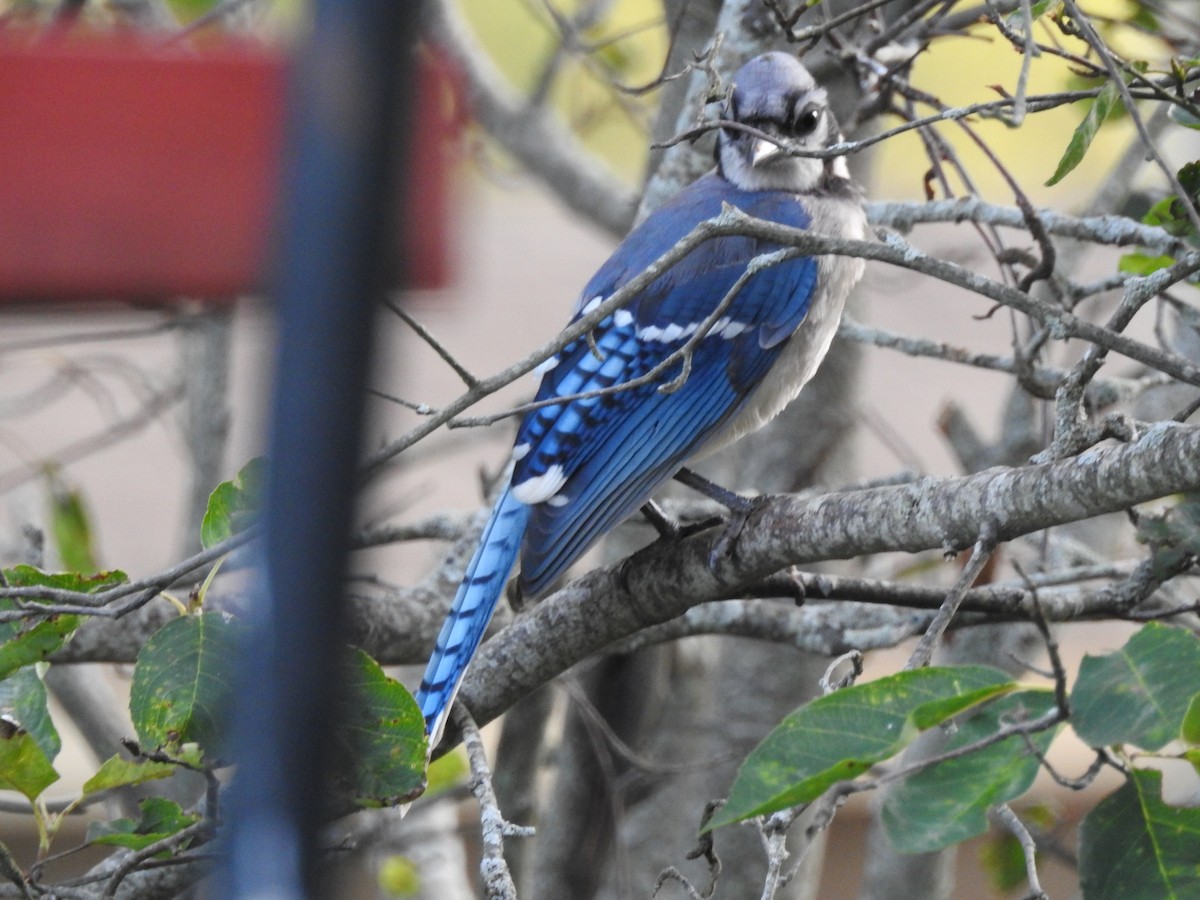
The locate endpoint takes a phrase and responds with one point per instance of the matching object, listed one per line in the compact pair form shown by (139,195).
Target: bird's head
(774,94)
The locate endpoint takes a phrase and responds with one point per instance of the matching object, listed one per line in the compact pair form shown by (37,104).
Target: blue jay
(581,466)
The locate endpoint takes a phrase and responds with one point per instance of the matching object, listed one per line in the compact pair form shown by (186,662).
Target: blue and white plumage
(581,466)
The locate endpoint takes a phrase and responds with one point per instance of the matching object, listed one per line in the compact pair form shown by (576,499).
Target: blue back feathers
(615,450)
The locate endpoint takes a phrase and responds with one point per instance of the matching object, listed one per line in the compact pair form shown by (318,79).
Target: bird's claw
(739,514)
(667,526)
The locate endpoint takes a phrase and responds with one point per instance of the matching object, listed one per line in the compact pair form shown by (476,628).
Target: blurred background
(141,411)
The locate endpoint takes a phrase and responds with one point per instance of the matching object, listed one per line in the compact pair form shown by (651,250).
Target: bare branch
(1028,848)
(1062,324)
(437,346)
(660,583)
(984,547)
(497,880)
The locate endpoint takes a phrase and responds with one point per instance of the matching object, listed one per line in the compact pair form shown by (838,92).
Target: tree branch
(664,581)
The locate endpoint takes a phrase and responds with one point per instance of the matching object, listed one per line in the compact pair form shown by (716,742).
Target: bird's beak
(764,151)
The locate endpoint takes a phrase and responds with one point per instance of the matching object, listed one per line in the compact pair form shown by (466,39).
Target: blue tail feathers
(472,610)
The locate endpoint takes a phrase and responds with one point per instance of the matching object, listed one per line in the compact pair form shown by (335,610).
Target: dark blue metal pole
(346,119)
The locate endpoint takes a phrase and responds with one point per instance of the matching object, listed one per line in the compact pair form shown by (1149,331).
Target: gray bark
(930,513)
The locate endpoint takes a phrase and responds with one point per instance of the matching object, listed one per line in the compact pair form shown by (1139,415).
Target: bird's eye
(807,119)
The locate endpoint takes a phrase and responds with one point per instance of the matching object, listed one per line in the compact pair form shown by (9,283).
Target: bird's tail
(471,611)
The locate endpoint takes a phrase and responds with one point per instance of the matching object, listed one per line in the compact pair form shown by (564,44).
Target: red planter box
(136,172)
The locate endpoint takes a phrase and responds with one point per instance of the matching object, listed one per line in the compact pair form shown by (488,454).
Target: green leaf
(1108,98)
(1144,19)
(181,683)
(160,819)
(30,576)
(24,768)
(839,736)
(187,11)
(1170,214)
(1193,757)
(70,525)
(1181,116)
(1139,694)
(1133,846)
(35,641)
(384,732)
(118,772)
(234,504)
(948,802)
(23,702)
(935,712)
(1143,264)
(1189,730)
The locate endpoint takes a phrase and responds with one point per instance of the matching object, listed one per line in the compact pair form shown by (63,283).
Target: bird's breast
(798,362)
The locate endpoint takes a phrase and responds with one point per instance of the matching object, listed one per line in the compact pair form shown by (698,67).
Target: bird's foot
(669,528)
(731,530)
(740,510)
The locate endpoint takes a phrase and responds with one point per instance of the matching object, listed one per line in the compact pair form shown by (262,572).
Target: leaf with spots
(181,683)
(383,732)
(840,736)
(948,802)
(31,576)
(32,640)
(1133,846)
(1139,694)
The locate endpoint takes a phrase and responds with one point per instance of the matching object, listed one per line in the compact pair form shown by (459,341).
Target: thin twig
(152,583)
(497,880)
(1018,830)
(984,547)
(437,346)
(896,251)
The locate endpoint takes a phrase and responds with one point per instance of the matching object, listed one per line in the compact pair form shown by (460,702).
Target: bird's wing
(585,464)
